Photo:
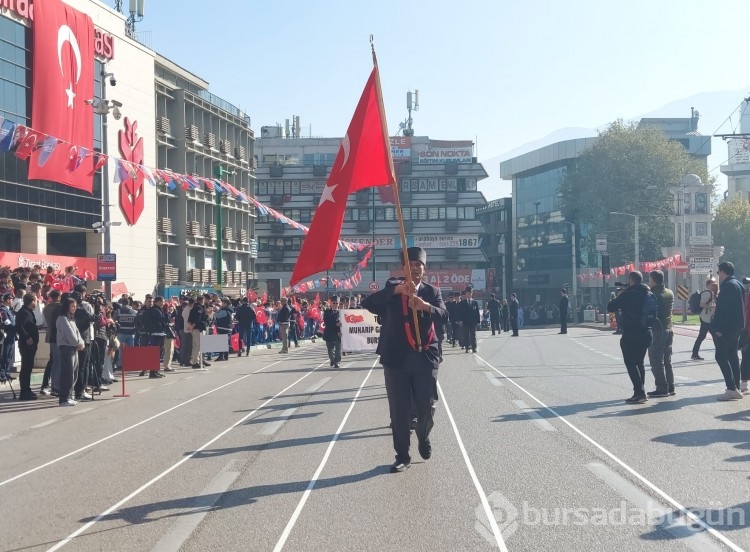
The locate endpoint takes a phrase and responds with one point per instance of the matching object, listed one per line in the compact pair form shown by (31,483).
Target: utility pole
(219,171)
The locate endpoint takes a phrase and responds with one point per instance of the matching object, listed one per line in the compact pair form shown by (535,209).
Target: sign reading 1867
(106,267)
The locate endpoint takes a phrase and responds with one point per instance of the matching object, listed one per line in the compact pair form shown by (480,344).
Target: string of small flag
(347,283)
(22,140)
(647,266)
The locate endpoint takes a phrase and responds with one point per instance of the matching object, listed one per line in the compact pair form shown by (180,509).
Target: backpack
(649,311)
(694,306)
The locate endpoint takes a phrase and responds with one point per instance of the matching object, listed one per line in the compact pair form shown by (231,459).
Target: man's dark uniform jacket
(393,342)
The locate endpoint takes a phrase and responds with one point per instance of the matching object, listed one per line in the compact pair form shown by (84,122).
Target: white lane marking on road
(77,411)
(8,436)
(146,485)
(201,505)
(168,383)
(45,424)
(315,386)
(482,495)
(290,525)
(683,378)
(493,379)
(657,515)
(145,390)
(191,377)
(108,437)
(272,427)
(626,467)
(534,415)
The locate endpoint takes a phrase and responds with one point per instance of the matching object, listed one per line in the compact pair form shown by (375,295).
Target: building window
(701,229)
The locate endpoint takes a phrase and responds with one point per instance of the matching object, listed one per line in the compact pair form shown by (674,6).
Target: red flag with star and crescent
(363,161)
(63,80)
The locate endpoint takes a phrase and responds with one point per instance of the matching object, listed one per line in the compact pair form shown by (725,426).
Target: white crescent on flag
(65,34)
(345,146)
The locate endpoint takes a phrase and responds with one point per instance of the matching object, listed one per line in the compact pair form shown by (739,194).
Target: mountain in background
(718,114)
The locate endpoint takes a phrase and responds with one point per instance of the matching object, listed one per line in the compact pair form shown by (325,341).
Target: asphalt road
(533,449)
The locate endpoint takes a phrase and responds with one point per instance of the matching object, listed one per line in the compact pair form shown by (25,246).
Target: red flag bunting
(363,161)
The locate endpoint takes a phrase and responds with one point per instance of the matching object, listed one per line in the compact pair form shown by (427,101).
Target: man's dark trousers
(495,323)
(416,377)
(660,358)
(28,352)
(470,336)
(634,349)
(728,359)
(705,326)
(514,325)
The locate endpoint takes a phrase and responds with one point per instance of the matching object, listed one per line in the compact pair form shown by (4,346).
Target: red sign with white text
(455,279)
(86,266)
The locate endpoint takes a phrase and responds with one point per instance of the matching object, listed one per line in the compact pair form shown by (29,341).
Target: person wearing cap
(409,370)
(745,341)
(726,327)
(493,305)
(452,325)
(707,298)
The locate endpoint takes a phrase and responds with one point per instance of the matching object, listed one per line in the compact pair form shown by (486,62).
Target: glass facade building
(66,212)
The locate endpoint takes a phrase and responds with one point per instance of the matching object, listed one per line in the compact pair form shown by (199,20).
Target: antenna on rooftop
(412,104)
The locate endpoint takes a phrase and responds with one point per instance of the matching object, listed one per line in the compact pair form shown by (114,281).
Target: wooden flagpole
(394,186)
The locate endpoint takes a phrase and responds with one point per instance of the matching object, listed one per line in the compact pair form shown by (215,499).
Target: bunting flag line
(646,266)
(24,141)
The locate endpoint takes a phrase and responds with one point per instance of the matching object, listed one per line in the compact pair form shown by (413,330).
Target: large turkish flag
(364,160)
(63,80)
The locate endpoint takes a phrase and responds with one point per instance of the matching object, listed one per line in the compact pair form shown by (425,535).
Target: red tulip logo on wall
(131,185)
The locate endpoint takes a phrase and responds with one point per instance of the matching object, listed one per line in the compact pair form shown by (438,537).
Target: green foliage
(731,228)
(634,171)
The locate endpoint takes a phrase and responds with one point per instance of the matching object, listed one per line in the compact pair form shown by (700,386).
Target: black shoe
(637,399)
(155,375)
(206,363)
(169,370)
(195,366)
(143,373)
(398,467)
(331,364)
(247,353)
(656,394)
(473,350)
(671,391)
(467,350)
(425,450)
(27,395)
(239,354)
(696,357)
(336,365)
(221,359)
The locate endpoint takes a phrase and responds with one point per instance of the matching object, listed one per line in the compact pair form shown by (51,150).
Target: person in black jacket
(28,339)
(452,306)
(513,309)
(245,316)
(469,317)
(564,305)
(726,327)
(224,318)
(154,328)
(197,324)
(407,367)
(635,339)
(494,307)
(332,332)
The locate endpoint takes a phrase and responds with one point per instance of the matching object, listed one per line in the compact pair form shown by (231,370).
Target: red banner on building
(86,266)
(63,80)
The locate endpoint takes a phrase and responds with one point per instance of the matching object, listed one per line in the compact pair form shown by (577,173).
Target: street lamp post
(574,281)
(103,107)
(637,244)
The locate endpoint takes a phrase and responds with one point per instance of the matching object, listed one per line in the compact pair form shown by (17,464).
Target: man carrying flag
(408,368)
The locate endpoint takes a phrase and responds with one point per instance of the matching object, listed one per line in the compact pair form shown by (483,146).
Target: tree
(731,228)
(630,170)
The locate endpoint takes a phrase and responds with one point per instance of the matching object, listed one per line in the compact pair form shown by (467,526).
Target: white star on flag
(327,194)
(71,95)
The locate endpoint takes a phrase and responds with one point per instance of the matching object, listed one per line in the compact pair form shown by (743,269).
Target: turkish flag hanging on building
(63,80)
(363,161)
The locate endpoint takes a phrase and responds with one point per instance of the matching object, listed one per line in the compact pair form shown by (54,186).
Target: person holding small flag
(410,369)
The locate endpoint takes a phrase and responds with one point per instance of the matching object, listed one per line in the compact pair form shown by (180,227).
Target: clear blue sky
(502,72)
